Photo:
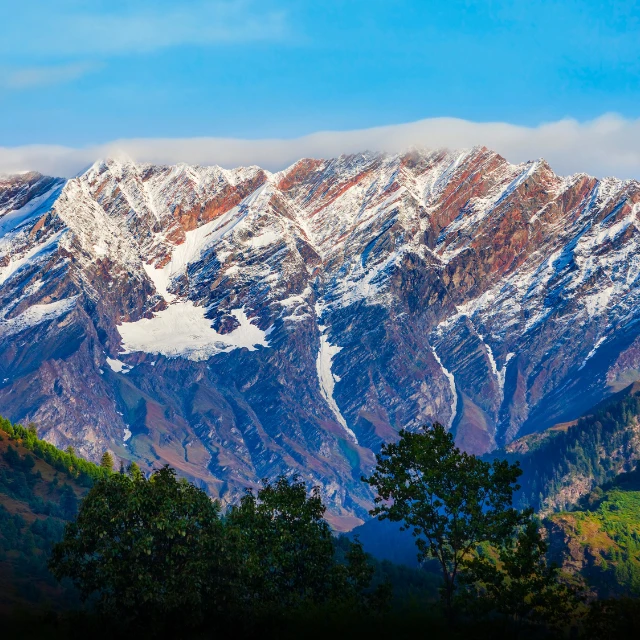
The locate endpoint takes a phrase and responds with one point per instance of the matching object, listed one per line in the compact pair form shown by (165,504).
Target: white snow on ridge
(182,330)
(12,220)
(35,253)
(268,237)
(36,314)
(196,243)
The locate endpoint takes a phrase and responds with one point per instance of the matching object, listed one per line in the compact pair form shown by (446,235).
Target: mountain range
(239,324)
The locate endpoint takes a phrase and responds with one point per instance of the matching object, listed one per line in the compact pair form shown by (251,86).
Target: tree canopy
(449,499)
(159,552)
(143,548)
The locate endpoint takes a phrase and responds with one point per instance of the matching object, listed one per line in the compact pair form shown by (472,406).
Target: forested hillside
(565,462)
(601,540)
(40,489)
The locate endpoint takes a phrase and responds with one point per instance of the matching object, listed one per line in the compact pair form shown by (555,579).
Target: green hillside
(40,487)
(601,541)
(565,462)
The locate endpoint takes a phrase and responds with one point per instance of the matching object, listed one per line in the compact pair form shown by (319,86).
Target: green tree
(518,583)
(450,500)
(287,553)
(106,462)
(68,503)
(134,472)
(286,545)
(145,549)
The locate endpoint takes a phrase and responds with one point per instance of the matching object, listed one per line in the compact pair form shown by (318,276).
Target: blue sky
(78,73)
(194,80)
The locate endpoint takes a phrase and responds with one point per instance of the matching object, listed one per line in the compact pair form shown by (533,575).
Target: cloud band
(609,145)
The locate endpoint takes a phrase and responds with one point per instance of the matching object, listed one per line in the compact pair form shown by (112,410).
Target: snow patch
(13,220)
(452,386)
(591,353)
(160,279)
(196,243)
(36,314)
(34,254)
(326,377)
(182,330)
(498,373)
(264,240)
(118,366)
(503,372)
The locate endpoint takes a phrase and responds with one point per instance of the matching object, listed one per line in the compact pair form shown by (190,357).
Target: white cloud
(609,145)
(68,31)
(31,77)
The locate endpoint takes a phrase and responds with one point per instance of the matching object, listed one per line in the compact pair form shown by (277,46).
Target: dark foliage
(157,555)
(585,450)
(451,501)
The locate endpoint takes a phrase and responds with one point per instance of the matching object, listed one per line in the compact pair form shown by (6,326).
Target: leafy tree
(134,471)
(450,500)
(12,457)
(286,545)
(519,584)
(106,462)
(144,549)
(287,554)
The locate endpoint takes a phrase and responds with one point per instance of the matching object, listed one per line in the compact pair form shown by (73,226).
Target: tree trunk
(448,600)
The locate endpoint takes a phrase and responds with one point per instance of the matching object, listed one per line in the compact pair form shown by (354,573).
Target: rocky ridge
(238,323)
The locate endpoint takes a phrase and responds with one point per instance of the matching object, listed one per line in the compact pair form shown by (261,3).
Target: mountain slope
(564,463)
(39,492)
(601,540)
(239,324)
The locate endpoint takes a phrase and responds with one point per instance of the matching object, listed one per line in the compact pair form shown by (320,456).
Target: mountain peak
(238,323)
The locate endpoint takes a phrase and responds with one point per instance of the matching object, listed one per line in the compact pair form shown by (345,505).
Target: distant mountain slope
(239,324)
(601,540)
(39,491)
(564,463)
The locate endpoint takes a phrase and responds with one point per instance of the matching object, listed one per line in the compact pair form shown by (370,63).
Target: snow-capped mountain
(238,324)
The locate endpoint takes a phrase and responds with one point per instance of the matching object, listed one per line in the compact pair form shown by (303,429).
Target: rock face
(240,324)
